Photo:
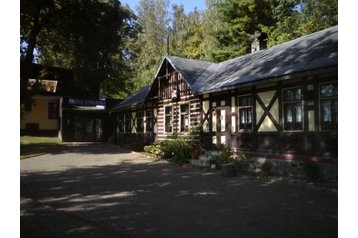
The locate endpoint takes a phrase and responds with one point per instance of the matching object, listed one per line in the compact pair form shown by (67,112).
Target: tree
(87,37)
(239,20)
(187,33)
(178,33)
(150,46)
(296,18)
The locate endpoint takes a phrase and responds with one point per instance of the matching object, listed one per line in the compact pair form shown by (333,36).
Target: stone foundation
(295,169)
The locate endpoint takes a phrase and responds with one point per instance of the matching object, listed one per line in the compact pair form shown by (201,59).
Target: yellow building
(42,116)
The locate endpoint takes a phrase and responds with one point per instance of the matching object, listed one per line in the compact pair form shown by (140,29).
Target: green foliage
(154,149)
(27,140)
(222,156)
(238,22)
(150,44)
(87,37)
(311,171)
(178,148)
(193,140)
(232,23)
(186,36)
(176,151)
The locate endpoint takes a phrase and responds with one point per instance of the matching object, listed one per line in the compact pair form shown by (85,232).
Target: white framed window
(292,109)
(245,106)
(328,103)
(140,122)
(149,121)
(184,117)
(168,118)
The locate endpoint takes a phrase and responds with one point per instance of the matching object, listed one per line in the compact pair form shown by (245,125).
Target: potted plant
(223,161)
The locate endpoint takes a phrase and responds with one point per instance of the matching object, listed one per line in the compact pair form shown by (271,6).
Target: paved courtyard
(98,190)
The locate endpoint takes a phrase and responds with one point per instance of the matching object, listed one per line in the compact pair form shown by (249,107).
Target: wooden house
(279,102)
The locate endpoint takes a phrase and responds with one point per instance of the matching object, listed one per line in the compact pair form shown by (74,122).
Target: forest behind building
(113,50)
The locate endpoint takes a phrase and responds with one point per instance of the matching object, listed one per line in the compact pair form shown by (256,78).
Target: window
(184,117)
(28,106)
(329,106)
(127,123)
(120,124)
(149,121)
(292,109)
(53,110)
(140,122)
(168,119)
(245,112)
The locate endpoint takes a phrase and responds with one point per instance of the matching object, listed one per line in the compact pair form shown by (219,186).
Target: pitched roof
(317,50)
(195,72)
(134,100)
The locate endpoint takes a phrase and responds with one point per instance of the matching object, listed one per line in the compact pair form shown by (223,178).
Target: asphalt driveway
(98,190)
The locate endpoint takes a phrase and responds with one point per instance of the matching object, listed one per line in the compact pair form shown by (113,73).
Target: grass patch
(26,140)
(34,146)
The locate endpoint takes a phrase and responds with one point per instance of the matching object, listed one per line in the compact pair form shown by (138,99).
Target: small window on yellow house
(53,110)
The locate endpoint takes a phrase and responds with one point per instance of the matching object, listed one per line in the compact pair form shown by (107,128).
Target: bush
(193,140)
(311,170)
(178,148)
(154,149)
(176,151)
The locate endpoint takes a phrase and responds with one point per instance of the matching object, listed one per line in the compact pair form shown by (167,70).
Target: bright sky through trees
(189,5)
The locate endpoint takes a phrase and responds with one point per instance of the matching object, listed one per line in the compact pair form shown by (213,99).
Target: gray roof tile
(133,100)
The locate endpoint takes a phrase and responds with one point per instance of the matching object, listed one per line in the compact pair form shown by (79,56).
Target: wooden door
(221,122)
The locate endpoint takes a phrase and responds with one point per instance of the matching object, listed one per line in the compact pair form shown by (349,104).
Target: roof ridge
(281,44)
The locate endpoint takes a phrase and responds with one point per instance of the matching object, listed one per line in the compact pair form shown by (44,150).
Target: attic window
(48,85)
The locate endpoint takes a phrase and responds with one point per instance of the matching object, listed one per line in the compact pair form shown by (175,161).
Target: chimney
(260,42)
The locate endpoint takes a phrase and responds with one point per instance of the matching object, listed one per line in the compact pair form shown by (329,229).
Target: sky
(189,5)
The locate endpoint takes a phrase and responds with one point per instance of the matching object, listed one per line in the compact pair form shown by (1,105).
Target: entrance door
(221,122)
(88,129)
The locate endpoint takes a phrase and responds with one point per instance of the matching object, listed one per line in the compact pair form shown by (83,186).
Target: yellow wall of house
(134,127)
(266,98)
(39,114)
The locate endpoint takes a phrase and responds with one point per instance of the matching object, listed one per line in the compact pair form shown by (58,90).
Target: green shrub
(176,151)
(154,149)
(311,170)
(178,148)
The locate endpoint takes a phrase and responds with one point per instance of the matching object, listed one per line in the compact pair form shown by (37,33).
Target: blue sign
(86,102)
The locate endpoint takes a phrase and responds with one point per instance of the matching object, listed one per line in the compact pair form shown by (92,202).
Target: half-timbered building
(279,102)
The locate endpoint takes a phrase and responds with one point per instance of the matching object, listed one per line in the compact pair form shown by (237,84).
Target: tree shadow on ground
(158,199)
(31,150)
